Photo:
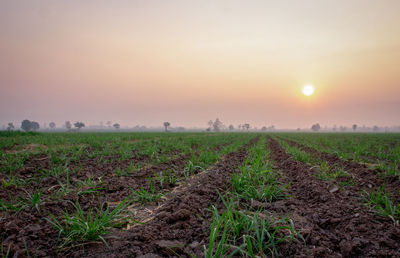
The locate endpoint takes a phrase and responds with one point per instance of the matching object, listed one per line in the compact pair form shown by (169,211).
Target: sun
(308,90)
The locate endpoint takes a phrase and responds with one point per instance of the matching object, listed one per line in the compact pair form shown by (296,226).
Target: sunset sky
(186,62)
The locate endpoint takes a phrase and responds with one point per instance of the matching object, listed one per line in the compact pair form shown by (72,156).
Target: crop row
(381,151)
(83,197)
(377,199)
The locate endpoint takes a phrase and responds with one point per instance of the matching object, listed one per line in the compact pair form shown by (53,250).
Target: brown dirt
(367,178)
(333,224)
(180,227)
(30,225)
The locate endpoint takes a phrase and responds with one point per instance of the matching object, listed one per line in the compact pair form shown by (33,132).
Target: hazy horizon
(187,62)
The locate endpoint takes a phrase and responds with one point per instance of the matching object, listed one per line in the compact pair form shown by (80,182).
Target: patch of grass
(55,171)
(89,182)
(89,186)
(121,172)
(248,234)
(350,182)
(190,169)
(33,200)
(64,188)
(327,172)
(143,196)
(381,202)
(79,227)
(12,180)
(257,180)
(258,188)
(166,177)
(7,206)
(3,252)
(133,167)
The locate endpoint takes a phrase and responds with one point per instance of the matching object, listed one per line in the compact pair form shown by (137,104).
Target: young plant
(3,252)
(382,204)
(190,169)
(6,206)
(55,171)
(64,188)
(89,186)
(235,231)
(33,200)
(12,180)
(92,226)
(120,172)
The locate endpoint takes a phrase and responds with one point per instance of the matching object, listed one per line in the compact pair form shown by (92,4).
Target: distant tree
(217,125)
(79,125)
(26,125)
(342,128)
(10,127)
(354,127)
(334,128)
(246,126)
(68,125)
(116,126)
(264,128)
(210,124)
(166,125)
(239,127)
(231,128)
(109,123)
(375,128)
(35,126)
(52,125)
(315,127)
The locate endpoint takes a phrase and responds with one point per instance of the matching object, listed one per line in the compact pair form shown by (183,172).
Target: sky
(186,62)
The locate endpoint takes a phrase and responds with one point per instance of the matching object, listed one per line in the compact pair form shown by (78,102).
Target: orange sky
(145,62)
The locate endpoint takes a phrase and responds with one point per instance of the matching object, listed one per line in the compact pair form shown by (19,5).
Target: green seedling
(80,227)
(190,169)
(235,232)
(143,196)
(3,252)
(121,172)
(33,200)
(382,204)
(12,180)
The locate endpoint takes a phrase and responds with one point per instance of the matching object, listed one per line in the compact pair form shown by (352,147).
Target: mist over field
(141,63)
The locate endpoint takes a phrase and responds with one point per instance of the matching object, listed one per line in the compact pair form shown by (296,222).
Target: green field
(199,194)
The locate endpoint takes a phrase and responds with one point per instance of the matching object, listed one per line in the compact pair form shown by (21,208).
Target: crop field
(199,194)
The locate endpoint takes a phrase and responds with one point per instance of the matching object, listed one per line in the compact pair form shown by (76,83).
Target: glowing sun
(308,90)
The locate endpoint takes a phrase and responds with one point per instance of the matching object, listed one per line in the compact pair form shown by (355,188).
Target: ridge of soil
(333,223)
(366,177)
(180,227)
(29,225)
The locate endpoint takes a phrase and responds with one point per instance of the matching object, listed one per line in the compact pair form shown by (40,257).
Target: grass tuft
(81,228)
(381,202)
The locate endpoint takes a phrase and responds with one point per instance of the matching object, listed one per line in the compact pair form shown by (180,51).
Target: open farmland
(199,194)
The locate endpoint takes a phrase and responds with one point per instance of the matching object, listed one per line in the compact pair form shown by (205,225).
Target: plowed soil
(367,179)
(29,227)
(182,215)
(180,227)
(333,223)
